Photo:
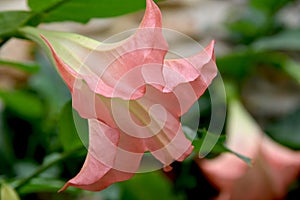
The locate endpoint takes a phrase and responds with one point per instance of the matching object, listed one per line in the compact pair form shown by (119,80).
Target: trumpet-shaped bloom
(131,95)
(274,167)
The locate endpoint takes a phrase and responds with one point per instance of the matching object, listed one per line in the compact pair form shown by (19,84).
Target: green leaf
(8,193)
(40,6)
(10,21)
(24,167)
(83,11)
(292,68)
(147,186)
(26,67)
(286,40)
(269,6)
(286,130)
(218,148)
(249,25)
(53,171)
(47,165)
(25,104)
(242,157)
(68,134)
(241,64)
(43,185)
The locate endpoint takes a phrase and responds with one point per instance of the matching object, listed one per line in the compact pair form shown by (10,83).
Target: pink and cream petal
(105,146)
(274,167)
(101,155)
(201,65)
(106,163)
(116,67)
(97,177)
(67,73)
(90,105)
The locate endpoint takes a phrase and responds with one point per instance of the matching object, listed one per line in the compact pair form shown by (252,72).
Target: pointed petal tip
(167,168)
(63,188)
(152,16)
(211,45)
(210,49)
(150,4)
(67,73)
(186,154)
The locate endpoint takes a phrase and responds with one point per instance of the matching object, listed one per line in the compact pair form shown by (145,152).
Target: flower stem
(17,185)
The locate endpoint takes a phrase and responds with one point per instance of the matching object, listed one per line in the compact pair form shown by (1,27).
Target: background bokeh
(257,52)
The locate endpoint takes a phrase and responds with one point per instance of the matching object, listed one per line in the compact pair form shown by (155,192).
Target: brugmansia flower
(274,169)
(131,95)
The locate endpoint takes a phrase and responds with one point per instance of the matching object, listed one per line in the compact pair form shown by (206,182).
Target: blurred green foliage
(62,10)
(258,20)
(10,21)
(39,144)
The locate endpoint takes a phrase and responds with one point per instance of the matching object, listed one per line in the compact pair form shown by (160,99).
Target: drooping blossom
(131,95)
(274,169)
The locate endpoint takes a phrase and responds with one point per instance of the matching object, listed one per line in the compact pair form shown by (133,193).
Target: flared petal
(274,167)
(188,78)
(150,126)
(145,124)
(244,136)
(90,105)
(97,177)
(283,164)
(201,65)
(94,168)
(119,70)
(106,163)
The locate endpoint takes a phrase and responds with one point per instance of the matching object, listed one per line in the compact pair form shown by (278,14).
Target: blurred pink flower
(274,168)
(131,95)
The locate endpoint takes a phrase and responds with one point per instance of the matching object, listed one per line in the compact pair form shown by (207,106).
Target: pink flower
(131,95)
(274,167)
